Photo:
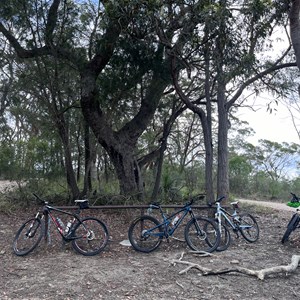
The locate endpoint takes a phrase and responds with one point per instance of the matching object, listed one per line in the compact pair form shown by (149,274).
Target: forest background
(129,100)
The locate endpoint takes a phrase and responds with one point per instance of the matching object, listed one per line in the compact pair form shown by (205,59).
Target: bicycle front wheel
(145,234)
(90,236)
(248,227)
(28,236)
(225,238)
(202,234)
(290,228)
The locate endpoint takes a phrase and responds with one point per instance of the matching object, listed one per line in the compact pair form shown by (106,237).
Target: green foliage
(239,175)
(46,88)
(293,204)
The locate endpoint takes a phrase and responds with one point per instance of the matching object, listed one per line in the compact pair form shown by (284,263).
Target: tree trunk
(71,179)
(295,28)
(121,145)
(209,189)
(124,163)
(89,159)
(222,177)
(160,161)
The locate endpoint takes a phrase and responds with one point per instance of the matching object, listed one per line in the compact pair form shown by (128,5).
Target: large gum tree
(87,36)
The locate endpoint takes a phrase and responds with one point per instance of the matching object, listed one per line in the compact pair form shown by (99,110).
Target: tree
(275,159)
(237,35)
(91,38)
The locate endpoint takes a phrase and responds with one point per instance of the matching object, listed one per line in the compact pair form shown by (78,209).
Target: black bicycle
(146,232)
(88,236)
(294,222)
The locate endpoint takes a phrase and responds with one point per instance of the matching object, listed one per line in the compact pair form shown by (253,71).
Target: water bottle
(60,222)
(174,222)
(68,226)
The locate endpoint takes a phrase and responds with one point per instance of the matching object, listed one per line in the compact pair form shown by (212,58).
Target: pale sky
(276,127)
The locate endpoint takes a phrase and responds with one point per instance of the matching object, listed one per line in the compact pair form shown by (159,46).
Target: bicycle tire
(90,236)
(28,236)
(250,234)
(137,237)
(206,241)
(292,225)
(225,238)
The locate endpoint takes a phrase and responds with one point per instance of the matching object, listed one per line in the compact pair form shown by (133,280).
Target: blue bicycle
(146,232)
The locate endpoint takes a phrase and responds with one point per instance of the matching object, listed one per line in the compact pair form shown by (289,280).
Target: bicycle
(294,222)
(88,236)
(146,232)
(244,223)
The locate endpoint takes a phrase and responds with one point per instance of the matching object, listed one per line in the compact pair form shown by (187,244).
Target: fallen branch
(260,274)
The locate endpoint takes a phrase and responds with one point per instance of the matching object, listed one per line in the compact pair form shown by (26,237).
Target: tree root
(260,274)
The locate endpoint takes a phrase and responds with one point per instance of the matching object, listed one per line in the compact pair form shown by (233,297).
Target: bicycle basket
(82,203)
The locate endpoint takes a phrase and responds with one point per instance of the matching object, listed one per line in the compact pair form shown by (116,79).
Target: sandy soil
(269,204)
(7,185)
(55,271)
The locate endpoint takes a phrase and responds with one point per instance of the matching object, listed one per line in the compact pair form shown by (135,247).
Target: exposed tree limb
(260,274)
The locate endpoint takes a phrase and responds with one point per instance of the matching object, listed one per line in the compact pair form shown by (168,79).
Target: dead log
(260,274)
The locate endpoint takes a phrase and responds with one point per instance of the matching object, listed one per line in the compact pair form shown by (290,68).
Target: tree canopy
(103,89)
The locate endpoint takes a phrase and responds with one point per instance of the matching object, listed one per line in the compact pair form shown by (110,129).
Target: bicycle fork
(200,232)
(31,230)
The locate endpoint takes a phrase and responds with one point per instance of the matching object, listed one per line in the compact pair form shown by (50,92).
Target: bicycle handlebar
(295,198)
(218,200)
(40,199)
(156,205)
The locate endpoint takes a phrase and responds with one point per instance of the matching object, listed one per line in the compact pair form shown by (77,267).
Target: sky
(276,127)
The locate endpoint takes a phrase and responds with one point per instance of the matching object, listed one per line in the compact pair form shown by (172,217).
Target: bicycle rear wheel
(248,227)
(290,228)
(145,234)
(28,236)
(202,234)
(90,236)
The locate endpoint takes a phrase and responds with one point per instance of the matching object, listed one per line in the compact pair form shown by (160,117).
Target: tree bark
(295,28)
(222,177)
(121,145)
(71,179)
(206,127)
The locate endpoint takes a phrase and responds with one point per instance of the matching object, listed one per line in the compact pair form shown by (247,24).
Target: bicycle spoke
(248,227)
(202,234)
(144,235)
(91,236)
(28,237)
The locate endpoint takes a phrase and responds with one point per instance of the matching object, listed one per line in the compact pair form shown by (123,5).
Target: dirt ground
(55,271)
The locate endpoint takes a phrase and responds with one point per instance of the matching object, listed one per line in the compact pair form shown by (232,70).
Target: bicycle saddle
(235,204)
(154,205)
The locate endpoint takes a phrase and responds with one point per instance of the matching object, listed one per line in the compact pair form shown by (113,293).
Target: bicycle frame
(168,231)
(47,211)
(221,212)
